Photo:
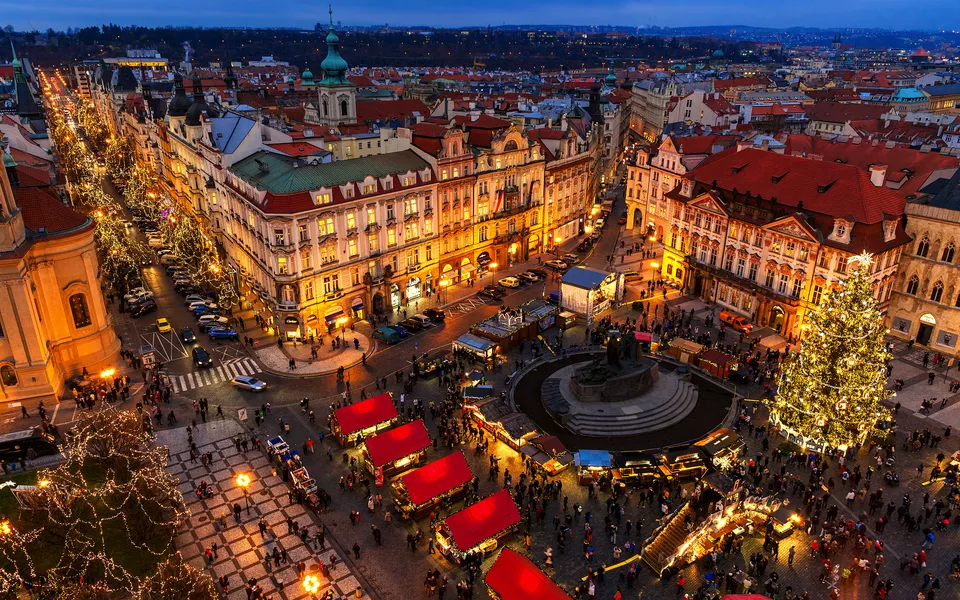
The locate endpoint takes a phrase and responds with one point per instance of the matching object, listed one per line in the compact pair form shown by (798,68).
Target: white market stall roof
(584,278)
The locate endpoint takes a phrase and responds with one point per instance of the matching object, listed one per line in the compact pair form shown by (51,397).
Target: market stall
(478,527)
(475,347)
(684,350)
(514,577)
(588,292)
(474,393)
(396,449)
(356,421)
(649,342)
(548,454)
(636,467)
(593,466)
(717,363)
(722,447)
(418,492)
(509,327)
(495,415)
(680,464)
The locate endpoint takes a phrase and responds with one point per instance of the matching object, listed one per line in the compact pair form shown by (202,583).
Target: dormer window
(841,231)
(889,230)
(369,188)
(348,191)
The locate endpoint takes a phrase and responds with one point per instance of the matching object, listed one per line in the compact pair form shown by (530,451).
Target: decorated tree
(830,393)
(176,580)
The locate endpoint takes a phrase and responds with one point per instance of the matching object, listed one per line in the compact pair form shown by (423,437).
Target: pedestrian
(376,534)
(236,512)
(356,550)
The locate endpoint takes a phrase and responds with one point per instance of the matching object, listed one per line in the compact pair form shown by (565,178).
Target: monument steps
(669,412)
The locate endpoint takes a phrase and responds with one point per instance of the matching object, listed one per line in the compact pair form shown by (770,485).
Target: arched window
(937,292)
(81,314)
(483,233)
(326,109)
(912,285)
(8,375)
(947,255)
(343,108)
(923,247)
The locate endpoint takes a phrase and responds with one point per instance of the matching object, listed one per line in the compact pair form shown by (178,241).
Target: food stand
(473,393)
(680,464)
(476,347)
(495,414)
(785,520)
(515,577)
(649,342)
(354,421)
(588,292)
(721,447)
(509,327)
(478,527)
(636,467)
(418,492)
(548,454)
(592,465)
(717,363)
(684,350)
(396,449)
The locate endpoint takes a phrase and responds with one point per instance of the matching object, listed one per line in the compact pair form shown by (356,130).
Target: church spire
(334,66)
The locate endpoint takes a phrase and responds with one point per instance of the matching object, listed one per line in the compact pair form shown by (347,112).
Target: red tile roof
(360,81)
(835,112)
(719,105)
(41,210)
(483,121)
(777,110)
(824,187)
(30,177)
(721,85)
(384,110)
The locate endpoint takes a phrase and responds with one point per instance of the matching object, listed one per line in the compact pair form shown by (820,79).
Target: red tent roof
(514,577)
(716,357)
(368,413)
(483,520)
(400,441)
(438,477)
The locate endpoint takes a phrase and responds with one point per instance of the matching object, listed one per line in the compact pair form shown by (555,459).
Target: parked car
(424,320)
(556,265)
(584,245)
(205,322)
(529,277)
(599,223)
(169,259)
(411,325)
(632,276)
(145,307)
(163,325)
(155,242)
(204,309)
(251,384)
(201,358)
(436,315)
(219,333)
(135,294)
(570,258)
(387,334)
(486,294)
(539,272)
(187,335)
(193,298)
(400,330)
(510,282)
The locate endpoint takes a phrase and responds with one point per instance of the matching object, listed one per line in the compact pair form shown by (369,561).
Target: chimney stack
(878,174)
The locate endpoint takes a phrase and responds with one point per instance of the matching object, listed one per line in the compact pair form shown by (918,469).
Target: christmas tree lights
(830,393)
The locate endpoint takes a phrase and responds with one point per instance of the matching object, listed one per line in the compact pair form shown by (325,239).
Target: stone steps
(670,412)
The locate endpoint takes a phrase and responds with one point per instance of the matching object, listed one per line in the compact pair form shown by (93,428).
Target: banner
(378,476)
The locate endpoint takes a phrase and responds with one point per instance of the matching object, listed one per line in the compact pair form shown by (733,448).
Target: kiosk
(514,577)
(684,350)
(592,465)
(721,447)
(683,463)
(717,363)
(479,527)
(363,418)
(548,454)
(475,347)
(636,467)
(418,492)
(396,450)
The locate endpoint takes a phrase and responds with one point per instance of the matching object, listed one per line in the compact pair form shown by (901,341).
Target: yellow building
(53,318)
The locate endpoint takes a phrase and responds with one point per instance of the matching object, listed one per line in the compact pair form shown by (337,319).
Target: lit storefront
(395,450)
(414,289)
(291,327)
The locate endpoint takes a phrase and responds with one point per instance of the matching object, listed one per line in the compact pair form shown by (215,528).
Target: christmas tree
(830,393)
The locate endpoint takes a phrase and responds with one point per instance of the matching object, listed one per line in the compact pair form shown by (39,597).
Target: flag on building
(499,204)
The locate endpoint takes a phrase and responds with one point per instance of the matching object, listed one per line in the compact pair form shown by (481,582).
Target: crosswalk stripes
(224,372)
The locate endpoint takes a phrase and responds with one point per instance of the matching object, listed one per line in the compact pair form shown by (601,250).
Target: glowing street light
(5,528)
(107,373)
(311,584)
(653,270)
(243,480)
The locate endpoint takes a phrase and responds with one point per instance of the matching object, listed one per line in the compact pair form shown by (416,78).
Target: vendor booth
(548,454)
(478,527)
(473,393)
(636,467)
(717,363)
(495,414)
(475,347)
(509,327)
(684,350)
(649,342)
(593,466)
(721,447)
(684,463)
(418,492)
(514,577)
(356,421)
(589,292)
(395,450)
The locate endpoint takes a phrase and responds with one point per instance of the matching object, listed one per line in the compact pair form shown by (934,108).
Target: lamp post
(493,272)
(653,271)
(243,480)
(556,245)
(444,284)
(342,324)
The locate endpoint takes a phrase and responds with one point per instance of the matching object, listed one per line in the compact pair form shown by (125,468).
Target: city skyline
(882,14)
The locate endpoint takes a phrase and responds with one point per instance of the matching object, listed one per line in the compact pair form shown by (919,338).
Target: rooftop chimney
(878,174)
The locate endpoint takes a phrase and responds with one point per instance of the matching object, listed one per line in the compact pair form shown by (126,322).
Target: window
(351,220)
(937,292)
(305,260)
(841,264)
(410,205)
(413,257)
(283,268)
(483,233)
(304,234)
(673,239)
(411,232)
(369,188)
(391,237)
(728,263)
(923,247)
(775,246)
(279,238)
(817,294)
(443,175)
(355,275)
(822,260)
(804,254)
(371,216)
(789,249)
(325,226)
(912,285)
(428,227)
(8,375)
(713,257)
(947,255)
(429,252)
(81,314)
(352,248)
(331,284)
(343,108)
(372,242)
(718,226)
(308,290)
(328,254)
(390,214)
(769,279)
(456,172)
(797,286)
(698,219)
(741,266)
(782,287)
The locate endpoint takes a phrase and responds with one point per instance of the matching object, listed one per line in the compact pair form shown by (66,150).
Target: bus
(15,446)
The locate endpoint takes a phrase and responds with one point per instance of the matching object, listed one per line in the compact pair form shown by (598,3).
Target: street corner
(296,359)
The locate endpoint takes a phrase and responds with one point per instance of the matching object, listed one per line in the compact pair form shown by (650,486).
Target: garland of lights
(831,390)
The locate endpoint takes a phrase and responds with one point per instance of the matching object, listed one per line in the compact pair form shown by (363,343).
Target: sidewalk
(277,358)
(241,549)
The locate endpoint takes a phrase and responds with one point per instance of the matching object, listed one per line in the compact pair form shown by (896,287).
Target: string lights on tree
(830,393)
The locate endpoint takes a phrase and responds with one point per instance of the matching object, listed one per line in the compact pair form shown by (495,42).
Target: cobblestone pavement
(240,548)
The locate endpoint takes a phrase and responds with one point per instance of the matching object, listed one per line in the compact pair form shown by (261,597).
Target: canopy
(473,342)
(686,345)
(370,412)
(643,336)
(716,357)
(594,458)
(398,442)
(514,577)
(584,277)
(436,478)
(483,520)
(550,444)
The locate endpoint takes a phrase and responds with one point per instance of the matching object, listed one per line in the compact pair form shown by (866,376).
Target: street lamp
(653,270)
(444,283)
(311,584)
(493,271)
(243,480)
(556,245)
(5,528)
(342,324)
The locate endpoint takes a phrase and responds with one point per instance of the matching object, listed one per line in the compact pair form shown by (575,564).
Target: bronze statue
(613,352)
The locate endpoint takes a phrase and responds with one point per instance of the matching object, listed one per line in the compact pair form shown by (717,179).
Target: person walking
(356,550)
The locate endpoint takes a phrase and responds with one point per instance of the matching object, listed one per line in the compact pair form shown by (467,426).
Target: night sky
(60,14)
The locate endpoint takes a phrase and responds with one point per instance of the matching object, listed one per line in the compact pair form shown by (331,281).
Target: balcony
(411,215)
(288,306)
(333,294)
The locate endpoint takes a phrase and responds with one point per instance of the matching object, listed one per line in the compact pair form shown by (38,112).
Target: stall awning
(686,345)
(483,520)
(466,269)
(514,577)
(643,336)
(436,478)
(357,304)
(477,392)
(367,413)
(474,343)
(333,313)
(719,440)
(398,442)
(716,357)
(550,444)
(594,458)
